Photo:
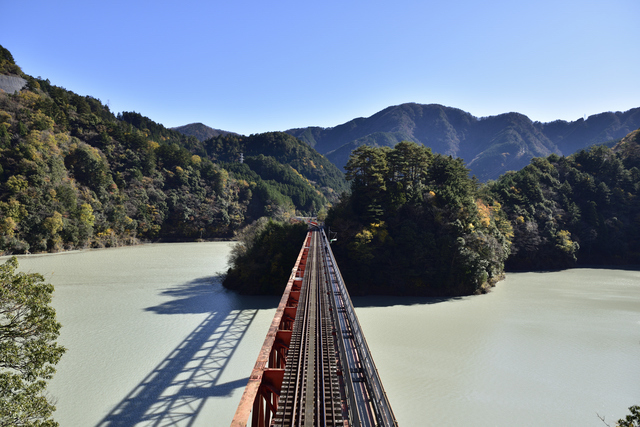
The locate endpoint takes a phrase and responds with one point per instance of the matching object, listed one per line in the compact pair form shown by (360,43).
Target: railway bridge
(314,368)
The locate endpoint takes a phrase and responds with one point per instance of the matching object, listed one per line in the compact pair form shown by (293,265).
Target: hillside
(200,131)
(629,149)
(11,80)
(415,223)
(11,84)
(285,149)
(490,146)
(581,208)
(74,175)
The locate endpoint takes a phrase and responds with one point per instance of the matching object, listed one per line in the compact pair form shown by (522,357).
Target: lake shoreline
(100,248)
(149,326)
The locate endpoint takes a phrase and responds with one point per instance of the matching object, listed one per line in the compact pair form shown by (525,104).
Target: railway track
(310,394)
(315,367)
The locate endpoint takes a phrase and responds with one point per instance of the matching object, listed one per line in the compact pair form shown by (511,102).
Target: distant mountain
(490,146)
(201,132)
(259,151)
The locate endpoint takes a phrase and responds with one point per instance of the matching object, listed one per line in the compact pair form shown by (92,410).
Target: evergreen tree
(28,348)
(414,224)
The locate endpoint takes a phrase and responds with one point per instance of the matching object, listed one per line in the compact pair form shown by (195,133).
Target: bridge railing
(259,402)
(379,400)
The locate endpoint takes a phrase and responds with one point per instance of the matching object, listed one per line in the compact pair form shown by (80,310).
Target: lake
(154,339)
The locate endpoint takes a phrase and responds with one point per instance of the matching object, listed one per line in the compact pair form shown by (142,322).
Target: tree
(28,348)
(262,262)
(414,224)
(632,420)
(367,170)
(409,163)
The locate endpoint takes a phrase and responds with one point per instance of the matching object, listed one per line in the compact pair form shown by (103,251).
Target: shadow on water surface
(174,393)
(614,267)
(390,301)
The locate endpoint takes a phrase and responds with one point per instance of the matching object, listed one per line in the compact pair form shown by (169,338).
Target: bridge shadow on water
(175,391)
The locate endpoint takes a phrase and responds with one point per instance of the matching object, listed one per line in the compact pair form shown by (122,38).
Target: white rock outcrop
(11,84)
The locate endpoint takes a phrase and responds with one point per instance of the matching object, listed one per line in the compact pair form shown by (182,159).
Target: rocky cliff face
(11,84)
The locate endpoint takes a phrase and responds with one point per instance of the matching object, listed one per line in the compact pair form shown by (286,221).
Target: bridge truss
(315,367)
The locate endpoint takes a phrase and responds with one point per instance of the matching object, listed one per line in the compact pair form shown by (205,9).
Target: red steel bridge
(314,368)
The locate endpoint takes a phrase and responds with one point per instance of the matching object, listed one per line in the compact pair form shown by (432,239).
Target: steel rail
(292,403)
(331,356)
(320,413)
(349,323)
(252,402)
(347,359)
(310,396)
(315,368)
(303,350)
(311,338)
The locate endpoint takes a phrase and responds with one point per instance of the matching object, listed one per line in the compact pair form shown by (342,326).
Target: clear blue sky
(254,66)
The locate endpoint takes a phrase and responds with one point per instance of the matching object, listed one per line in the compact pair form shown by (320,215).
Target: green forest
(580,209)
(412,224)
(415,223)
(262,260)
(74,175)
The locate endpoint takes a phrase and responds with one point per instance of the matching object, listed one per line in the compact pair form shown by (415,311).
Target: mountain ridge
(201,131)
(490,146)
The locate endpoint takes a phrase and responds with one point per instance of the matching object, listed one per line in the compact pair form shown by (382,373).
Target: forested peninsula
(74,175)
(415,223)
